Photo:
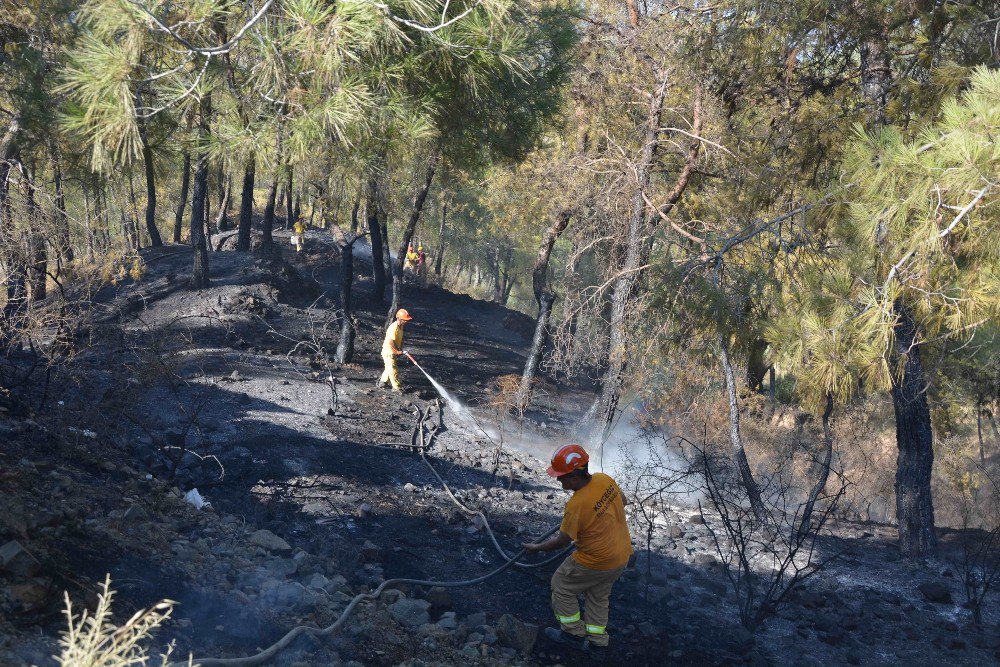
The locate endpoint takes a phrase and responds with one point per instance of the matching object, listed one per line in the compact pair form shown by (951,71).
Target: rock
(135,514)
(935,591)
(31,595)
(476,620)
(282,567)
(705,560)
(697,520)
(410,613)
(676,531)
(268,540)
(448,621)
(516,634)
(16,560)
(440,598)
(410,488)
(285,594)
(364,511)
(370,553)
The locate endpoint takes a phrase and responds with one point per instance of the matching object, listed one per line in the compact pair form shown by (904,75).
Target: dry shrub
(95,641)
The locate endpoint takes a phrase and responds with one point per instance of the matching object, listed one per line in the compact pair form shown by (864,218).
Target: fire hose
(299,630)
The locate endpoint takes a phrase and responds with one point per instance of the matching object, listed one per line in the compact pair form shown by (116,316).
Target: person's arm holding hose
(558,541)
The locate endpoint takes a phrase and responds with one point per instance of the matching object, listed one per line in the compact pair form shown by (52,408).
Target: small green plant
(95,641)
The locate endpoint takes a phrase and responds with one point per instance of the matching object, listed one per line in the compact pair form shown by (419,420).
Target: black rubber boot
(566,639)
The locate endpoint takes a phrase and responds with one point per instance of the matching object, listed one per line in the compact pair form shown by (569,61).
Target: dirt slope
(313,500)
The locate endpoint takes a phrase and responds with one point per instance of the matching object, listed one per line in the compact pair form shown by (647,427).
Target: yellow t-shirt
(299,228)
(393,335)
(595,519)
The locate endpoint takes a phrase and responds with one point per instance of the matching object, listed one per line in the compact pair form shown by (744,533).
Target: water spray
(457,407)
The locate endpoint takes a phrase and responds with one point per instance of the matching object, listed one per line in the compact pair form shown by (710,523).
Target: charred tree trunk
(736,436)
(375,231)
(914,442)
(199,273)
(246,206)
(288,201)
(267,236)
(220,219)
(824,473)
(354,214)
(441,243)
(345,347)
(411,224)
(17,267)
(297,211)
(147,163)
(545,299)
(64,245)
(130,223)
(39,251)
(637,251)
(185,183)
(756,367)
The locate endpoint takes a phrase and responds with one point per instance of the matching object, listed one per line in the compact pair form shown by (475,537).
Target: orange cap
(567,459)
(401,314)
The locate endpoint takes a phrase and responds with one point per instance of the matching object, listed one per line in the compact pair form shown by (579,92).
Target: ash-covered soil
(315,496)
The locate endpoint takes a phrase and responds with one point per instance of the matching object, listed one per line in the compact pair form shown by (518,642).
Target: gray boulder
(516,634)
(17,560)
(268,540)
(410,613)
(935,591)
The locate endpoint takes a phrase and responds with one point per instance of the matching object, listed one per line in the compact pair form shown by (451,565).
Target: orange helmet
(401,314)
(567,459)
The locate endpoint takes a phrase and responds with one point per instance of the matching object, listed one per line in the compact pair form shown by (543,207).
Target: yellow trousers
(391,372)
(572,579)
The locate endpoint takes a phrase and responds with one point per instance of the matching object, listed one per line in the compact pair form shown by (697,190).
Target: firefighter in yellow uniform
(594,519)
(392,347)
(299,234)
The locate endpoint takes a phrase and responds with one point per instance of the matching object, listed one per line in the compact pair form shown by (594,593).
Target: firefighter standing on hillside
(392,347)
(299,235)
(594,519)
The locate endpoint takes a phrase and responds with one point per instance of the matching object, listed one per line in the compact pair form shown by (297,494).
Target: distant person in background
(421,264)
(299,235)
(392,347)
(594,520)
(411,260)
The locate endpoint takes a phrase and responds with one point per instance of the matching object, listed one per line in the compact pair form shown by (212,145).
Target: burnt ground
(229,390)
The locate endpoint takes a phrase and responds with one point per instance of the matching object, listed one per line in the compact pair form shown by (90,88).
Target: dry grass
(93,640)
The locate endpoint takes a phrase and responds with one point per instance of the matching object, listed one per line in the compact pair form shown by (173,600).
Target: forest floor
(315,497)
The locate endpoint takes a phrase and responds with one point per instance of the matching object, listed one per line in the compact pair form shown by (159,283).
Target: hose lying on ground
(426,440)
(294,633)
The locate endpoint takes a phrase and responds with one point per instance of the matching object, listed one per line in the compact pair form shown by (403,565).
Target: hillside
(316,495)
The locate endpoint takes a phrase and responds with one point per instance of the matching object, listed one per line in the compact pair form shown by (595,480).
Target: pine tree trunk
(64,245)
(375,234)
(354,214)
(246,206)
(824,473)
(185,184)
(411,224)
(147,162)
(220,220)
(15,264)
(130,223)
(545,298)
(267,230)
(914,442)
(199,273)
(345,347)
(637,251)
(736,436)
(625,285)
(441,242)
(39,251)
(288,201)
(545,301)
